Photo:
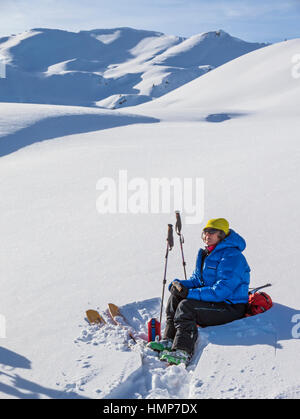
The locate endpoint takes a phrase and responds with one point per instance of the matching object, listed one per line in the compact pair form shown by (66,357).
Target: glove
(179,290)
(171,283)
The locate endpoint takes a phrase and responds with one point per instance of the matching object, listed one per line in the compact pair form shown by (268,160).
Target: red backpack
(258,302)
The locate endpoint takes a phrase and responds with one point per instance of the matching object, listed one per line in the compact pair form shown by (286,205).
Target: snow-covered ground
(237,127)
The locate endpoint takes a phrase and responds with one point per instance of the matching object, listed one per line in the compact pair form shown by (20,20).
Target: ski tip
(113,306)
(94,317)
(114,310)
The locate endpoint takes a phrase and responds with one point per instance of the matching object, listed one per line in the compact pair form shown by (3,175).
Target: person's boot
(176,357)
(161,345)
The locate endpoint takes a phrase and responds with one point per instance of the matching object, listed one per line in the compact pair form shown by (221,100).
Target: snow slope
(261,81)
(237,128)
(109,68)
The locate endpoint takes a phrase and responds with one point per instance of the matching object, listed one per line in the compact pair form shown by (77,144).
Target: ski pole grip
(170,238)
(178,222)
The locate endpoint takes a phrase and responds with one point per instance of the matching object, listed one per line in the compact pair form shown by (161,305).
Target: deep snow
(236,127)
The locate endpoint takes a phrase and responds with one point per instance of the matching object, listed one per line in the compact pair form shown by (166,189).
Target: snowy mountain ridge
(108,68)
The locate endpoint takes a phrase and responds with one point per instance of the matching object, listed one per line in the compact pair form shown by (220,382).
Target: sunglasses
(210,231)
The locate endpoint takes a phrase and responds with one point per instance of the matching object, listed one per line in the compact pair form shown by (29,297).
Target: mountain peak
(214,34)
(109,67)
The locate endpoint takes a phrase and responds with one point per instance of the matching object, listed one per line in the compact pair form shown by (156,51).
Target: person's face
(210,236)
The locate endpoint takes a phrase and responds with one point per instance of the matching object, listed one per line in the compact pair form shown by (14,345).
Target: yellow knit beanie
(218,224)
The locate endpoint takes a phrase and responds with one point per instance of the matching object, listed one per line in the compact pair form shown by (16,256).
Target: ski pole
(253,290)
(181,238)
(170,244)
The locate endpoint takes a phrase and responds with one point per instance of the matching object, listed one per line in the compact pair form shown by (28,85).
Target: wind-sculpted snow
(58,122)
(103,67)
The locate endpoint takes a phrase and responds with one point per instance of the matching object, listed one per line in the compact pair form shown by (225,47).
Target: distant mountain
(108,68)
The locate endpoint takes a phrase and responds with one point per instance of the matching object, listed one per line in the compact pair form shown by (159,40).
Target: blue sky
(252,20)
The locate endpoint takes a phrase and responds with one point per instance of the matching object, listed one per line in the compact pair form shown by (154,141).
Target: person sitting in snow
(216,293)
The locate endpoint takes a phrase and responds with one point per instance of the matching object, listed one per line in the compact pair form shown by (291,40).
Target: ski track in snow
(144,376)
(151,379)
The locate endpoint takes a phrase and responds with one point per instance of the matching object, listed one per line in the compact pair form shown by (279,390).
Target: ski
(94,317)
(119,319)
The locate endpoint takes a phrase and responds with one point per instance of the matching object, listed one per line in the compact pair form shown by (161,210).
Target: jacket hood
(233,240)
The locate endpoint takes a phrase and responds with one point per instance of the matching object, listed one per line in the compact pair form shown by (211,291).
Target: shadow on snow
(221,117)
(59,126)
(269,328)
(21,388)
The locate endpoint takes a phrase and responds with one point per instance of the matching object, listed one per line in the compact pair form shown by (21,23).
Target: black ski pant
(183,316)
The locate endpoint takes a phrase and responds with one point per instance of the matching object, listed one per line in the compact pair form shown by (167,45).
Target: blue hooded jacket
(225,275)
